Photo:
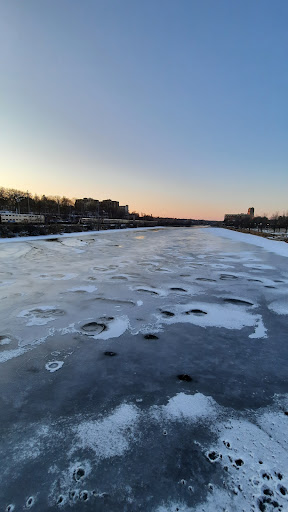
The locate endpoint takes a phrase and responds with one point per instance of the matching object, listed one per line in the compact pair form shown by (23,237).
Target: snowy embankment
(72,235)
(280,248)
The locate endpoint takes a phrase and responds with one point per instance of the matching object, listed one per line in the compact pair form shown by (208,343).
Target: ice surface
(129,432)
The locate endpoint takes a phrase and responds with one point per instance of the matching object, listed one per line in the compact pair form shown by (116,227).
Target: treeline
(275,223)
(24,202)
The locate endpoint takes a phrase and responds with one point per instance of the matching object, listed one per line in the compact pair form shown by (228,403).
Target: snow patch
(186,407)
(10,354)
(110,436)
(206,314)
(5,341)
(260,330)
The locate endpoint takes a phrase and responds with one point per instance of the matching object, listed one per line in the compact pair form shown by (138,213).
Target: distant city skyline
(177,109)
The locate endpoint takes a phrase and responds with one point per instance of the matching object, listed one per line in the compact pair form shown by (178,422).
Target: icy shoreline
(281,248)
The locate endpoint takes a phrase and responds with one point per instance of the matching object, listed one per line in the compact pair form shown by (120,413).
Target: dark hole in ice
(228,276)
(286,413)
(185,377)
(73,495)
(94,327)
(178,290)
(267,286)
(111,354)
(260,461)
(266,476)
(78,474)
(197,312)
(84,495)
(60,499)
(255,280)
(279,476)
(213,456)
(151,337)
(239,462)
(167,313)
(9,508)
(227,444)
(29,502)
(268,492)
(51,240)
(239,302)
(262,501)
(261,505)
(283,490)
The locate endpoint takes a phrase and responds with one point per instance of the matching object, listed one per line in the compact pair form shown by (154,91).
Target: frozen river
(145,371)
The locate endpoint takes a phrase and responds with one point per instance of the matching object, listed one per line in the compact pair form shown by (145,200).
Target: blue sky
(176,108)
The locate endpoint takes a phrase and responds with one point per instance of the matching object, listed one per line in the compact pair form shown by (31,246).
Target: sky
(175,107)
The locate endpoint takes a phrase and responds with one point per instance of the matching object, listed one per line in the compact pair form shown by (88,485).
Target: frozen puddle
(41,315)
(106,327)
